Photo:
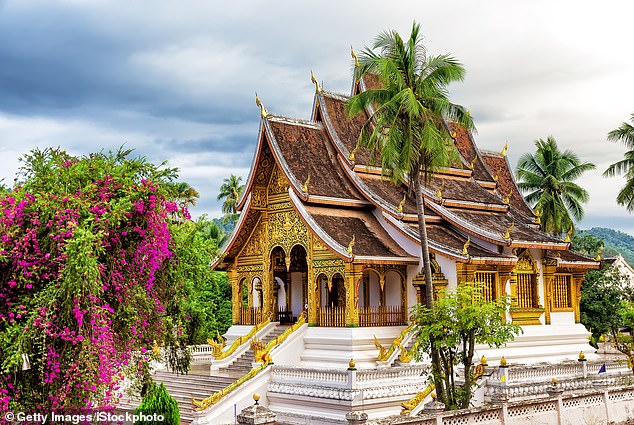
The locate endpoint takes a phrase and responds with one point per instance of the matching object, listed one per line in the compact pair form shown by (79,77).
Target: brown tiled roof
(462,190)
(371,240)
(570,256)
(347,128)
(447,237)
(498,223)
(468,150)
(307,150)
(499,166)
(389,192)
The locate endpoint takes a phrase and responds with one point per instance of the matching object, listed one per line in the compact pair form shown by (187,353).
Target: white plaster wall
(392,288)
(411,247)
(281,293)
(562,318)
(448,268)
(374,288)
(296,293)
(256,298)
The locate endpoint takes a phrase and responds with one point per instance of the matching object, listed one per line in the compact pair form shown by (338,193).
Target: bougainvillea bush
(89,284)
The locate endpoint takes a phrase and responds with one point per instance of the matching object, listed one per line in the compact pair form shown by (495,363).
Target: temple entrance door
(332,294)
(297,288)
(279,276)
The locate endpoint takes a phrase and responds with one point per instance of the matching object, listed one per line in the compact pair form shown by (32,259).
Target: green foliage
(587,244)
(459,320)
(625,135)
(602,291)
(230,191)
(208,301)
(157,401)
(547,177)
(615,242)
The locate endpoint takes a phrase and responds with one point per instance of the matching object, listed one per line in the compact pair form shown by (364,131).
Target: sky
(176,81)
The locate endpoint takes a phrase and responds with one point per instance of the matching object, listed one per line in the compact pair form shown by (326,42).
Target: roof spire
(263,110)
(465,248)
(315,82)
(305,187)
(354,56)
(505,148)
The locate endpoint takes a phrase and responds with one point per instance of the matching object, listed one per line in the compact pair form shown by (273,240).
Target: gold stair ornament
(383,353)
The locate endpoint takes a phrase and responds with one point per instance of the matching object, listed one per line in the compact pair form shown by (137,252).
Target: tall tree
(230,191)
(547,176)
(624,134)
(408,126)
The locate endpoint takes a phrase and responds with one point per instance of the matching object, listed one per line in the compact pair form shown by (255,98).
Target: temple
(324,235)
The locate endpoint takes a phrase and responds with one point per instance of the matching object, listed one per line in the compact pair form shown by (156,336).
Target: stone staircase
(198,384)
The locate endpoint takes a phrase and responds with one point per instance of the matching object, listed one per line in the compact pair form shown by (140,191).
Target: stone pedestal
(357,417)
(434,407)
(257,415)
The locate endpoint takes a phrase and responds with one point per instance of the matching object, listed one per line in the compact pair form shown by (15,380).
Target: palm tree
(230,191)
(548,176)
(183,193)
(625,134)
(408,127)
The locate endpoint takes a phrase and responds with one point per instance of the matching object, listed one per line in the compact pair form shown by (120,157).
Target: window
(488,280)
(561,292)
(526,291)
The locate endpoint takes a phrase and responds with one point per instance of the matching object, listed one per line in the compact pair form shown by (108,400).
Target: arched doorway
(278,280)
(297,286)
(332,294)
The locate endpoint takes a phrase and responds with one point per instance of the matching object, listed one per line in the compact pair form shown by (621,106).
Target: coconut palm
(408,126)
(625,134)
(183,193)
(230,191)
(547,177)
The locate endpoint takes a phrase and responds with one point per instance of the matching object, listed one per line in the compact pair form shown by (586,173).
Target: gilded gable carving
(278,182)
(258,197)
(525,263)
(257,242)
(286,230)
(329,267)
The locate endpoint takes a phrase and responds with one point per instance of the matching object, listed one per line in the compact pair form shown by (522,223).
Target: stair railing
(239,341)
(265,359)
(389,355)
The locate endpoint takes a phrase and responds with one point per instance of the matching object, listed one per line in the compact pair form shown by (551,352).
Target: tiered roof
(339,192)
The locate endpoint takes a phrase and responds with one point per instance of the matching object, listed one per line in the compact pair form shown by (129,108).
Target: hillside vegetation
(616,242)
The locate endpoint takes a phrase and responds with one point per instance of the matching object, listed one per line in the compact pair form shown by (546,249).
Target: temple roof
(339,193)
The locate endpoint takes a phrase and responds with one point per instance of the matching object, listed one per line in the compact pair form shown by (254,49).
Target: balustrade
(332,316)
(251,315)
(391,315)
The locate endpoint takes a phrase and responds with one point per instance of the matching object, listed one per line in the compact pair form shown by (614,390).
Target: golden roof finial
(538,217)
(305,187)
(496,177)
(439,191)
(507,234)
(315,82)
(598,257)
(350,246)
(465,248)
(351,156)
(507,200)
(504,149)
(471,165)
(263,110)
(453,134)
(399,209)
(354,56)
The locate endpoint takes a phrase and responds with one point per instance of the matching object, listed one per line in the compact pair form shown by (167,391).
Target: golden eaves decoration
(318,88)
(399,208)
(263,110)
(465,247)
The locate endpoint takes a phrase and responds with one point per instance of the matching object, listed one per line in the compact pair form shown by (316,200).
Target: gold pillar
(549,267)
(312,297)
(513,285)
(465,272)
(353,275)
(236,299)
(577,280)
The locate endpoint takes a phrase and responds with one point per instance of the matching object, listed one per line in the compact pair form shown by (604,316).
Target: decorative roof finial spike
(465,248)
(305,187)
(351,156)
(263,110)
(315,82)
(354,56)
(507,234)
(399,209)
(504,149)
(350,246)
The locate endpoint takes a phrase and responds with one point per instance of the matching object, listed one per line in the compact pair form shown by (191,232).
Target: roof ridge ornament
(354,56)
(538,217)
(318,88)
(399,209)
(568,234)
(507,199)
(507,234)
(471,165)
(439,191)
(351,155)
(465,247)
(350,245)
(305,186)
(504,149)
(263,112)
